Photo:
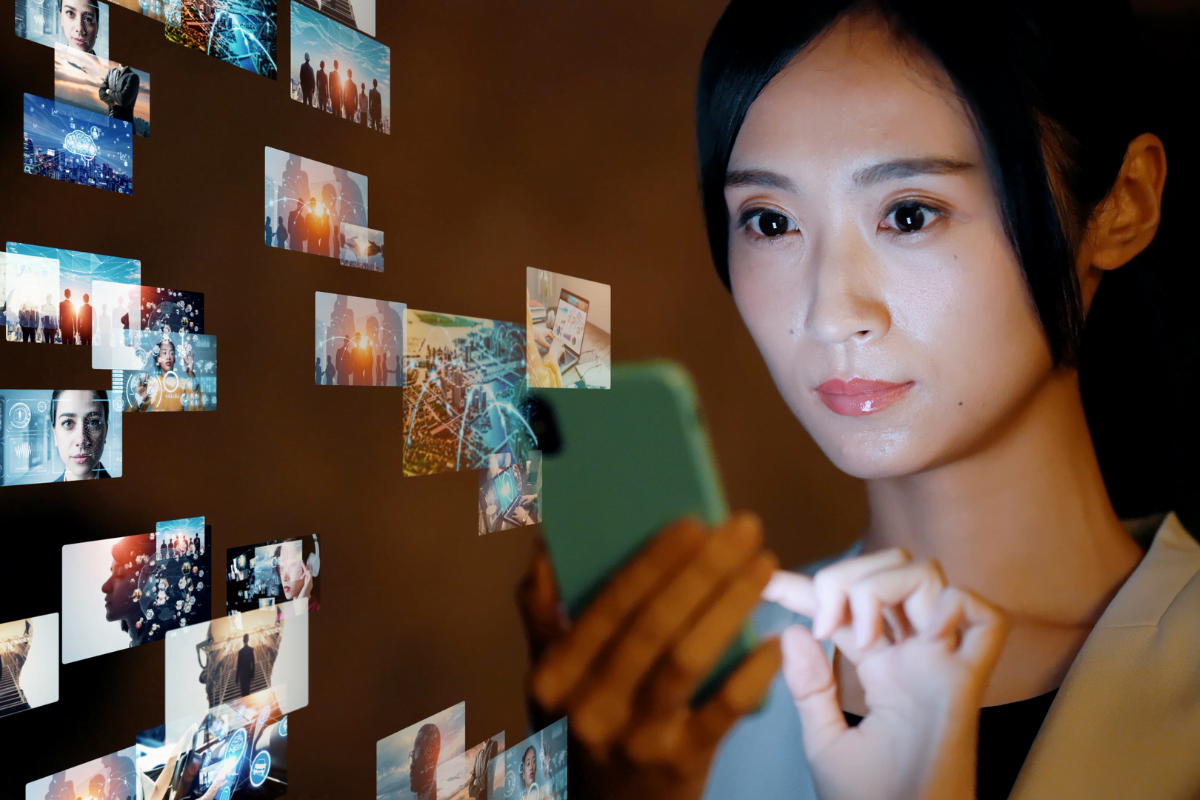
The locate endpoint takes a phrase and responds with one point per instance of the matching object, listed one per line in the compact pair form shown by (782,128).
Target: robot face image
(423,767)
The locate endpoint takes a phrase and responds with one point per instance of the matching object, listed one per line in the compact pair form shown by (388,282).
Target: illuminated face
(529,767)
(80,430)
(120,590)
(166,357)
(80,23)
(291,570)
(869,261)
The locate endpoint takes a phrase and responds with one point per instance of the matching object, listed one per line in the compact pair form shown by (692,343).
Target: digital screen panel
(69,144)
(337,69)
(80,25)
(243,33)
(236,750)
(481,781)
(357,14)
(28,663)
(131,590)
(105,778)
(568,327)
(58,436)
(175,372)
(423,760)
(510,492)
(208,665)
(535,768)
(124,310)
(103,87)
(362,248)
(359,341)
(285,572)
(60,285)
(172,310)
(306,203)
(463,391)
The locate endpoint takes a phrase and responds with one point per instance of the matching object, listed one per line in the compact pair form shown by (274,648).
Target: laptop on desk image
(569,322)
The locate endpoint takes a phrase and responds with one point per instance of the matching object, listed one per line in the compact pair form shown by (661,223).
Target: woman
(295,569)
(167,391)
(79,420)
(79,22)
(913,212)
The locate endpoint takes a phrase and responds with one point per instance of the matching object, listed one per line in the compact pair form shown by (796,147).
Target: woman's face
(80,431)
(869,261)
(166,357)
(529,767)
(291,571)
(80,23)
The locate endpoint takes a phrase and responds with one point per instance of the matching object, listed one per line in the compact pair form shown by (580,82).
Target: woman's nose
(847,305)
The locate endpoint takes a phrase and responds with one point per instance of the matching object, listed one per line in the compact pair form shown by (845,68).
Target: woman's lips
(82,458)
(858,397)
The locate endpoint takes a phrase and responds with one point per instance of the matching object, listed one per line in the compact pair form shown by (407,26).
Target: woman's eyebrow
(759,177)
(909,167)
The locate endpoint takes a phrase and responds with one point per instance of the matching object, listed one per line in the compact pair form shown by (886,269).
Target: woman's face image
(292,571)
(119,600)
(80,23)
(866,245)
(529,767)
(80,430)
(166,357)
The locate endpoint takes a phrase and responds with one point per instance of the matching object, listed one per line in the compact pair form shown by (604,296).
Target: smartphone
(617,466)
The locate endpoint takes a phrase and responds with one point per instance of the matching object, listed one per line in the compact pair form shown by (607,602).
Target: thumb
(809,677)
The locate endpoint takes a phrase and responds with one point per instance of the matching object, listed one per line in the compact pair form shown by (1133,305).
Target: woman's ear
(1125,222)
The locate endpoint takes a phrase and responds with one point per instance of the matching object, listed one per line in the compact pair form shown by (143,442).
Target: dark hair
(1026,71)
(97,394)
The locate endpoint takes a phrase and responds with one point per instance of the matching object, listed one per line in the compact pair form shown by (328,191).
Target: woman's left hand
(923,653)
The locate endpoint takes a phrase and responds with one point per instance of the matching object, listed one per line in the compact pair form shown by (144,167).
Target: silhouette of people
(296,233)
(123,320)
(363,106)
(344,363)
(119,92)
(293,186)
(245,666)
(376,106)
(323,88)
(341,326)
(350,96)
(269,234)
(162,551)
(381,371)
(399,374)
(351,209)
(335,90)
(122,776)
(83,322)
(308,81)
(319,371)
(120,604)
(330,372)
(281,233)
(49,320)
(329,198)
(66,318)
(104,332)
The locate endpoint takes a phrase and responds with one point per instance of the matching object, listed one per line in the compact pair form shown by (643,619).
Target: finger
(537,599)
(984,629)
(830,585)
(743,691)
(793,591)
(567,661)
(608,704)
(694,656)
(915,588)
(809,677)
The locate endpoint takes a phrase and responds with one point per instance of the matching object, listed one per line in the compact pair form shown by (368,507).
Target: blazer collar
(1126,721)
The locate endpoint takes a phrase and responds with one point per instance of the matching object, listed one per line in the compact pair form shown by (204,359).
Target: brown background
(530,132)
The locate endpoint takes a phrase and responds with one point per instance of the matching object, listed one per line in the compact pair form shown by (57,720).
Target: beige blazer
(1126,721)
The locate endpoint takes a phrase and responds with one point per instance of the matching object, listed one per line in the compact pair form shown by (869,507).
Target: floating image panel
(115,325)
(362,248)
(568,325)
(59,435)
(235,750)
(28,663)
(119,593)
(263,650)
(359,341)
(510,492)
(465,383)
(71,307)
(357,14)
(285,572)
(340,71)
(97,85)
(306,203)
(481,781)
(537,767)
(28,292)
(69,144)
(79,25)
(111,776)
(176,372)
(423,759)
(239,32)
(159,10)
(172,310)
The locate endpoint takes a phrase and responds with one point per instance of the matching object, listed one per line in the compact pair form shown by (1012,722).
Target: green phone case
(631,459)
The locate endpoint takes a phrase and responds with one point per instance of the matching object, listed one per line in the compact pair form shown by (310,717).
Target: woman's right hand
(626,669)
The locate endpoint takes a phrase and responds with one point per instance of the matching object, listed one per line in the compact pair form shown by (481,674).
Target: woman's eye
(910,216)
(768,223)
